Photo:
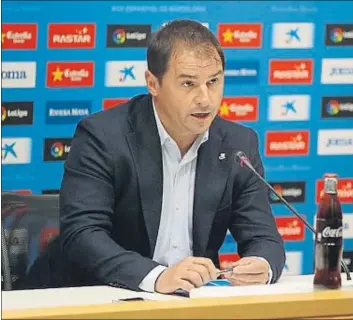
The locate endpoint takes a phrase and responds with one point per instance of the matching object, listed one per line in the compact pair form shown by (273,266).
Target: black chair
(29,223)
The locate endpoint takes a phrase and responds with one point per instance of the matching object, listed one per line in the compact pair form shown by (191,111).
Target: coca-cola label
(329,232)
(332,233)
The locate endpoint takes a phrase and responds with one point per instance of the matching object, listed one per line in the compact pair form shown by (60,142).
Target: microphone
(240,156)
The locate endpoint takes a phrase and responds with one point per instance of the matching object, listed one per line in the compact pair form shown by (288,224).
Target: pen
(230,269)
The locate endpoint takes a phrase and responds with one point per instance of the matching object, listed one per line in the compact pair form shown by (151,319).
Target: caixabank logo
(56,149)
(17,113)
(127,35)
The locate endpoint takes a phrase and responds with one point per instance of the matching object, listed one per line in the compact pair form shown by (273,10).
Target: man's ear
(152,83)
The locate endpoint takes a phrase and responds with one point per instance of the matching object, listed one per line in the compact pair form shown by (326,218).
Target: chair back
(29,223)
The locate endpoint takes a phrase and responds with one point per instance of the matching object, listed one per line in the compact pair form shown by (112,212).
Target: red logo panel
(17,36)
(70,74)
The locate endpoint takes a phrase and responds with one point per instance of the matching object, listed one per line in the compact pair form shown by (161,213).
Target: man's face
(191,90)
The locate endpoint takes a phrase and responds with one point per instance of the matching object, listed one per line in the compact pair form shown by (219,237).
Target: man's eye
(187,84)
(214,80)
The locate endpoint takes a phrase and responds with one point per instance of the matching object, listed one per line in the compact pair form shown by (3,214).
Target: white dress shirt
(174,240)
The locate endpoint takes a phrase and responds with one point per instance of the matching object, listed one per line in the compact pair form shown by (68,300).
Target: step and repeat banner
(289,75)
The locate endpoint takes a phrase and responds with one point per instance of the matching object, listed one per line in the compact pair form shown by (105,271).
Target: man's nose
(203,97)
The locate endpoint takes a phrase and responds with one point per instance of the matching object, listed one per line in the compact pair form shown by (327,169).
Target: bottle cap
(330,175)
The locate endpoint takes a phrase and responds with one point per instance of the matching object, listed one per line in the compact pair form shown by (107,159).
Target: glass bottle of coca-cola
(328,237)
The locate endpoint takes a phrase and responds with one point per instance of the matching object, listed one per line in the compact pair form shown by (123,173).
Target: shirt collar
(164,136)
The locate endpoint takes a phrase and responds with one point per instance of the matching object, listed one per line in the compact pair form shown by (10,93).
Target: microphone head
(241,156)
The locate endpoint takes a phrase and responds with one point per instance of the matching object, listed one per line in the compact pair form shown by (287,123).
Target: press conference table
(293,297)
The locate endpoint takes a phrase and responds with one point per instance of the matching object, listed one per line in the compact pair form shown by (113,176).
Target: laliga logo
(119,36)
(333,107)
(336,35)
(3,113)
(57,149)
(332,233)
(279,191)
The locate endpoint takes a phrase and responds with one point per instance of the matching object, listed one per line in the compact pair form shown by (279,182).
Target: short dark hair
(161,43)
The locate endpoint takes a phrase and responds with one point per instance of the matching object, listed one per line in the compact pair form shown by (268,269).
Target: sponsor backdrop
(289,75)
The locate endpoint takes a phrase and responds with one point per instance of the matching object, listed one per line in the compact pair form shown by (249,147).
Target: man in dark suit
(151,186)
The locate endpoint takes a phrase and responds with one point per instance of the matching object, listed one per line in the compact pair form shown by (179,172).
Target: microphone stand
(244,160)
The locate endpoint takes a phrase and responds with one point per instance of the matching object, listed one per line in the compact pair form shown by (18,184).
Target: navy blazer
(111,199)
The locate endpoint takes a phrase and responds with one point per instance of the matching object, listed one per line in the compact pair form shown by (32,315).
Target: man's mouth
(201,115)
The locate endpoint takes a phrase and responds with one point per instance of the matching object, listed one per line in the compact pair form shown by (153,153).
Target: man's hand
(192,272)
(248,271)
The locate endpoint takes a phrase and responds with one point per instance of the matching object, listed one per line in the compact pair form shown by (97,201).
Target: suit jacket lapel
(213,168)
(145,146)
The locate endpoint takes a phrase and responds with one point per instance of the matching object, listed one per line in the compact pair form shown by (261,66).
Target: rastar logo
(19,36)
(239,108)
(291,71)
(70,74)
(240,35)
(344,190)
(290,228)
(71,35)
(287,143)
